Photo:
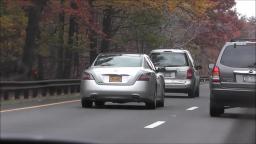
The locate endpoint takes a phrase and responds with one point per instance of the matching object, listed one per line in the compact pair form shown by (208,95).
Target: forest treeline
(57,39)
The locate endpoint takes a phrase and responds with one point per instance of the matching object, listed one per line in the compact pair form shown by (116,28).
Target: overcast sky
(246,7)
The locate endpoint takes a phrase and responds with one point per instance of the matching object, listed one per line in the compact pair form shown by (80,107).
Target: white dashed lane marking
(155,124)
(192,108)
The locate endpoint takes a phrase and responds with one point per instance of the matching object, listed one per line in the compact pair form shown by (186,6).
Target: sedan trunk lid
(116,75)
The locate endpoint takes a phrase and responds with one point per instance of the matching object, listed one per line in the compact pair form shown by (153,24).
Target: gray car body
(180,84)
(131,90)
(231,91)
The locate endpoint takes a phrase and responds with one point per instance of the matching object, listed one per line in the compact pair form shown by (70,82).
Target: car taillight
(145,77)
(215,74)
(87,76)
(189,73)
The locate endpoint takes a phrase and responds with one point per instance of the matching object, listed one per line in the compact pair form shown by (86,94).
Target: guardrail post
(10,95)
(44,91)
(30,93)
(66,89)
(17,94)
(72,89)
(51,91)
(40,92)
(6,95)
(59,90)
(26,94)
(78,89)
(34,93)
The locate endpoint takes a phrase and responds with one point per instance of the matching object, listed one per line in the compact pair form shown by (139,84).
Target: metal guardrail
(15,90)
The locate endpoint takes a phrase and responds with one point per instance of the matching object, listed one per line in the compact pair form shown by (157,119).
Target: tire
(160,103)
(215,110)
(191,94)
(197,93)
(152,104)
(86,103)
(99,104)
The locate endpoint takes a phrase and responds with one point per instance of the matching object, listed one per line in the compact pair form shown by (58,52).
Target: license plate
(170,75)
(250,79)
(115,78)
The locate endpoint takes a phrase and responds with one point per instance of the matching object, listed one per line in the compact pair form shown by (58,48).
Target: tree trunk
(60,49)
(40,72)
(93,46)
(32,32)
(68,53)
(107,28)
(92,36)
(75,55)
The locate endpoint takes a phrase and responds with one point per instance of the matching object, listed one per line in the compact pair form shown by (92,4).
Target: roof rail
(241,40)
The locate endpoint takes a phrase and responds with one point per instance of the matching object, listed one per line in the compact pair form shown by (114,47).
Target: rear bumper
(139,92)
(177,85)
(234,97)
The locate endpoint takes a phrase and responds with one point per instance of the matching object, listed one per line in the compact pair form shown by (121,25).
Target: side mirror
(160,69)
(198,67)
(87,66)
(157,69)
(211,66)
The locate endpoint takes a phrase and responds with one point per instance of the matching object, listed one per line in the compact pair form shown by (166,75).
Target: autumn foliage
(58,38)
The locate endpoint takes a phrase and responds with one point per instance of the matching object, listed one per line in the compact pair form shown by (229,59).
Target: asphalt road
(182,120)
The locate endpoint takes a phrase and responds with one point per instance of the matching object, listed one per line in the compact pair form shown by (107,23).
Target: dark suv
(233,77)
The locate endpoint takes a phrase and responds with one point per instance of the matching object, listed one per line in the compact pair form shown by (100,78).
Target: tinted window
(240,57)
(169,59)
(119,61)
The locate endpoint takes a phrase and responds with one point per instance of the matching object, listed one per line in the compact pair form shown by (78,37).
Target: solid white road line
(156,124)
(192,108)
(39,106)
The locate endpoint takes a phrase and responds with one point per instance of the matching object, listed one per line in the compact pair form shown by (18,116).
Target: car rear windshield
(119,61)
(239,56)
(169,59)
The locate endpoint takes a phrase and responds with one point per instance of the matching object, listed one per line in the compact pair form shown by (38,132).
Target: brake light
(189,73)
(145,77)
(87,76)
(216,74)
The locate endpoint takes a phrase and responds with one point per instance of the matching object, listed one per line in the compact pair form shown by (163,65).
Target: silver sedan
(122,78)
